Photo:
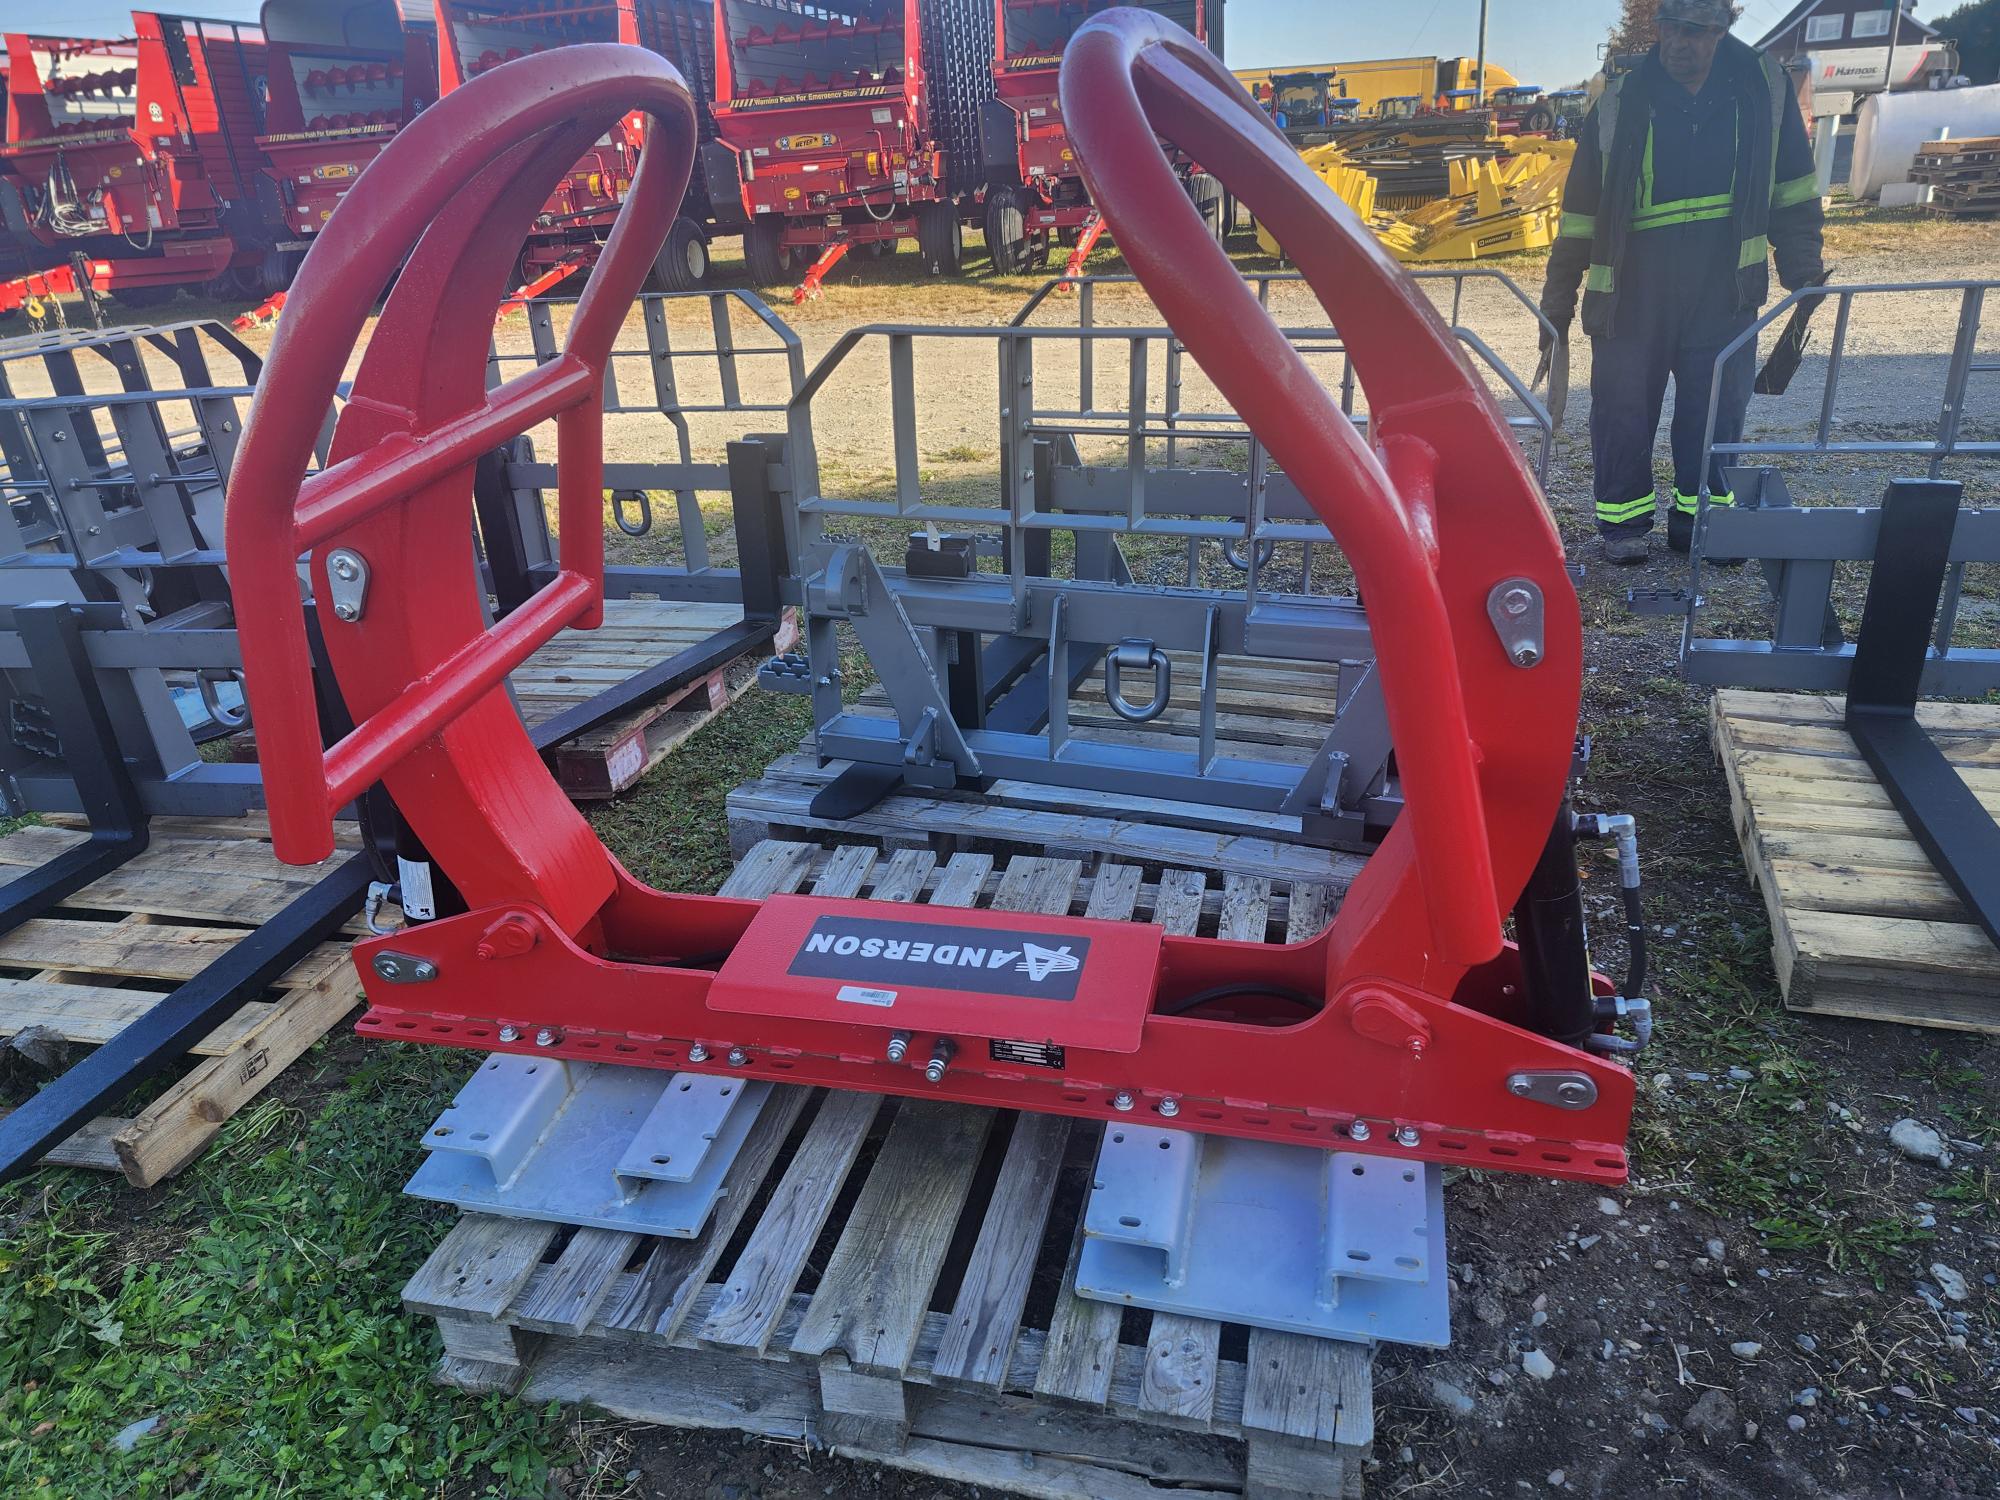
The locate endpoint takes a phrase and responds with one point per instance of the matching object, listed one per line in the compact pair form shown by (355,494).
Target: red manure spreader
(1035,196)
(477,36)
(854,123)
(141,153)
(345,76)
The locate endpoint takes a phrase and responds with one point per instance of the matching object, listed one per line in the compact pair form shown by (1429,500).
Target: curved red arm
(455,193)
(1442,509)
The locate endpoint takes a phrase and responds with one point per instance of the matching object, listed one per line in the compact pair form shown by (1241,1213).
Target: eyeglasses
(1692,31)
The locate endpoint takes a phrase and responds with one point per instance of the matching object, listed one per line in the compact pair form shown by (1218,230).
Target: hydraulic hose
(1629,1004)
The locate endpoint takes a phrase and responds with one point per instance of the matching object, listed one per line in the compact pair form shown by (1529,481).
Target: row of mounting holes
(698,1053)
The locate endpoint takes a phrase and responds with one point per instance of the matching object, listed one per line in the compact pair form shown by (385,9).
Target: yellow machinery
(1426,78)
(1496,207)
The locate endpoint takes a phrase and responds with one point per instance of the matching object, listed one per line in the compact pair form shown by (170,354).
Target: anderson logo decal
(979,960)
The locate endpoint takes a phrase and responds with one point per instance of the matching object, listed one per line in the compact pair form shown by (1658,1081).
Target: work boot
(1625,551)
(1680,531)
(1680,536)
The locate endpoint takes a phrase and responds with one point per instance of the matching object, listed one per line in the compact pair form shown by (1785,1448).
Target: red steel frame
(564,953)
(323,124)
(169,170)
(1027,85)
(819,155)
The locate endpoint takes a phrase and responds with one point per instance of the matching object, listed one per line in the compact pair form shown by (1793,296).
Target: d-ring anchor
(1138,656)
(1233,554)
(207,681)
(644,500)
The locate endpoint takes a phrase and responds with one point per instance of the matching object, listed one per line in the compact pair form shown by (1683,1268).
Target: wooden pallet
(1861,923)
(99,960)
(579,664)
(1963,175)
(1278,713)
(918,1309)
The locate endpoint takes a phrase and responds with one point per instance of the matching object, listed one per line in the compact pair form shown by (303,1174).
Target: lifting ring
(1132,654)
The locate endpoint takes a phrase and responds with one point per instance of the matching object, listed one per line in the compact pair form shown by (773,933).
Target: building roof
(1797,14)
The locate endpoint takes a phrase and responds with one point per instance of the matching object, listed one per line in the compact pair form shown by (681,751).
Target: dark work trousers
(1669,325)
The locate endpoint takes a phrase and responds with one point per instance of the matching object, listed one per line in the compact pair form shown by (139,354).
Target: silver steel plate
(569,1173)
(1282,1237)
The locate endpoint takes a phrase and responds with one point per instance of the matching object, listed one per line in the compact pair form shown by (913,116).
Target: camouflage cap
(1699,12)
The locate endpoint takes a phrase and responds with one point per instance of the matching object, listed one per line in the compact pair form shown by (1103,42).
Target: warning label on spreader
(979,960)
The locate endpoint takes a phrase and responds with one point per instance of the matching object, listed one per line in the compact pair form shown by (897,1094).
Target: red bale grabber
(1410,1027)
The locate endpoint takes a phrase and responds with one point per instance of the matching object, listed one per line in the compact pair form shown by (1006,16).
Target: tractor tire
(1207,195)
(234,284)
(276,270)
(1006,232)
(144,296)
(763,254)
(1540,120)
(941,238)
(682,264)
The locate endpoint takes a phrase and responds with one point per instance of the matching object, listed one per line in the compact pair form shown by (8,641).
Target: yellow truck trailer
(1376,79)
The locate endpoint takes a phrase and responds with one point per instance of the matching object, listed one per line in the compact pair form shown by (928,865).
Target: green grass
(255,1308)
(259,1320)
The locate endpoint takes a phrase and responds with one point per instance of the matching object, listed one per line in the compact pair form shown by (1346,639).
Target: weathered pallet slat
(1861,923)
(578,664)
(868,1283)
(107,954)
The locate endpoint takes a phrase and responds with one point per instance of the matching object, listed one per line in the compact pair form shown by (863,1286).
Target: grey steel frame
(685,477)
(1037,637)
(107,519)
(1797,547)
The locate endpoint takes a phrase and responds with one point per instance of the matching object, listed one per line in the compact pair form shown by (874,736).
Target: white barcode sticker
(857,994)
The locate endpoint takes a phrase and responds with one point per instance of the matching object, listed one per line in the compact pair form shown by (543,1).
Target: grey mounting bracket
(1514,605)
(592,1144)
(1346,1244)
(347,583)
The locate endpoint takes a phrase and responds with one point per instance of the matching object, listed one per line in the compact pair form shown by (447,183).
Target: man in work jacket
(1690,171)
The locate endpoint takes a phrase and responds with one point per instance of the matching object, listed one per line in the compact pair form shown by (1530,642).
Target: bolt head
(545,1038)
(1521,1085)
(738,1057)
(1526,656)
(1121,1101)
(343,568)
(1572,1092)
(347,610)
(697,1053)
(1170,1107)
(510,1033)
(1406,1135)
(1516,601)
(1359,1131)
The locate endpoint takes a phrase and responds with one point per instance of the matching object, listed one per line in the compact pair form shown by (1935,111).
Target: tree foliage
(1637,27)
(1976,29)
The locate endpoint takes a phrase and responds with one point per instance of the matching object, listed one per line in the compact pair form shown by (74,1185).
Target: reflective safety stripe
(1599,279)
(1753,251)
(1646,214)
(1680,213)
(1614,511)
(1687,505)
(1577,226)
(1797,190)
